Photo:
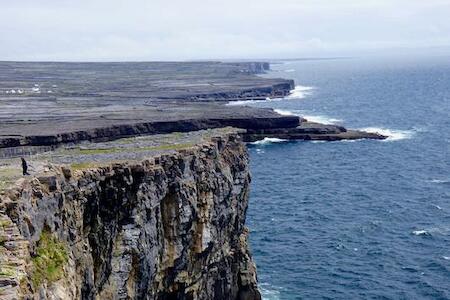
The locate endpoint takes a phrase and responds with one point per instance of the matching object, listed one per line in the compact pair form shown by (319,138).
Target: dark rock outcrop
(310,131)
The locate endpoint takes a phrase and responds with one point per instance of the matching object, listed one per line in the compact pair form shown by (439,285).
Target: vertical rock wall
(169,227)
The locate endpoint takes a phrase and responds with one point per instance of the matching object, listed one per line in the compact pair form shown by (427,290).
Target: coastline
(181,101)
(113,143)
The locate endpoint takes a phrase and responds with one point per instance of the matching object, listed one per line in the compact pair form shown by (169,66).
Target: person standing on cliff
(24,166)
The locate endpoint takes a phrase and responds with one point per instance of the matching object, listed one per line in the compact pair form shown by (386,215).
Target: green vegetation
(7,271)
(165,147)
(83,165)
(99,151)
(51,256)
(4,223)
(88,165)
(8,176)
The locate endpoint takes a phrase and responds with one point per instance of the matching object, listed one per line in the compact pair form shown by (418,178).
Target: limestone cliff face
(168,227)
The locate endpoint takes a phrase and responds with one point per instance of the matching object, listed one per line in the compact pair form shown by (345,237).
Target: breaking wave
(392,134)
(439,181)
(285,112)
(311,118)
(269,292)
(246,102)
(267,141)
(300,92)
(322,119)
(420,232)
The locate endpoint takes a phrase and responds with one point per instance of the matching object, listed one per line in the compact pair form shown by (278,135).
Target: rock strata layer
(42,103)
(169,226)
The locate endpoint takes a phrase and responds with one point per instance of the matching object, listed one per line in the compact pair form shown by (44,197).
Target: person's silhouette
(24,166)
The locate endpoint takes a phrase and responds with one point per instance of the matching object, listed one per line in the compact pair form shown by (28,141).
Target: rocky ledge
(158,217)
(310,131)
(54,103)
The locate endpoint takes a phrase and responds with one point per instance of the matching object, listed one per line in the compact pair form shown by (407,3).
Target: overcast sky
(210,29)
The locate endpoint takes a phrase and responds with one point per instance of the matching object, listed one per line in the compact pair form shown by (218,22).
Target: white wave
(246,102)
(440,181)
(446,257)
(268,140)
(310,118)
(259,151)
(269,292)
(322,119)
(421,232)
(392,134)
(284,112)
(300,92)
(437,206)
(289,70)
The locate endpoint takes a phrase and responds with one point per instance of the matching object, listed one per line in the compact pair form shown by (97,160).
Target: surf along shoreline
(190,97)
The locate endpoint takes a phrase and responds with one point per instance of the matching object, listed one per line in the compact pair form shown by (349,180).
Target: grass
(165,147)
(87,165)
(82,166)
(99,151)
(5,223)
(131,148)
(7,271)
(51,256)
(8,176)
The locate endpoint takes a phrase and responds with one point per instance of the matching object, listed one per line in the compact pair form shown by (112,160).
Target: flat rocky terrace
(44,104)
(49,103)
(86,155)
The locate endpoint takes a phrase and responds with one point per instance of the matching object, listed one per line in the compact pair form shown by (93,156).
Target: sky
(115,30)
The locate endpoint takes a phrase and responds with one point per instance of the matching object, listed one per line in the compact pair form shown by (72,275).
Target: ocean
(364,219)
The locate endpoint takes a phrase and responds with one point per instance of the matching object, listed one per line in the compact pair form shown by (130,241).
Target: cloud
(177,30)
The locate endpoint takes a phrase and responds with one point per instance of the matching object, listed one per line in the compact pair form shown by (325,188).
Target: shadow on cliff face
(107,210)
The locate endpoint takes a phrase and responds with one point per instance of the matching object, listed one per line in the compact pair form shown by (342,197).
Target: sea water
(357,220)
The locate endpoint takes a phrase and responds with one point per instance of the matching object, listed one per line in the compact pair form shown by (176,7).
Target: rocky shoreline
(54,103)
(140,177)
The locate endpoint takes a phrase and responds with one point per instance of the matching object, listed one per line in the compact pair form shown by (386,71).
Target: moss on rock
(51,256)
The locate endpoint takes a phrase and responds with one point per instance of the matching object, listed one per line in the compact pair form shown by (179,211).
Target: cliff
(52,103)
(162,220)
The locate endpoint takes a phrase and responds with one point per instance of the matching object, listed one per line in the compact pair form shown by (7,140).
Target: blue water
(365,219)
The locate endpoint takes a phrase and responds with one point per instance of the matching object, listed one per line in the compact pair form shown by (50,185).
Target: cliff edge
(140,218)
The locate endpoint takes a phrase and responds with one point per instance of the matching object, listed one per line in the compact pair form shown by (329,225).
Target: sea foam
(322,119)
(392,134)
(420,232)
(440,181)
(300,92)
(267,141)
(311,118)
(269,292)
(246,102)
(285,112)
